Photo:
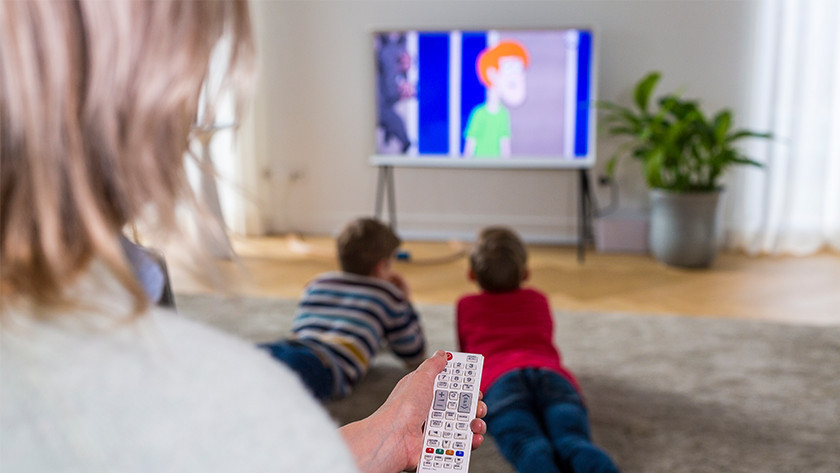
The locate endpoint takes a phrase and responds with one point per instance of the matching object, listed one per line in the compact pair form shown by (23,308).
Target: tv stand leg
(584,214)
(385,184)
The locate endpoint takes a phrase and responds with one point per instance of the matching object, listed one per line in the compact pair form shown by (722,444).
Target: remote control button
(448,356)
(440,401)
(430,450)
(465,403)
(459,453)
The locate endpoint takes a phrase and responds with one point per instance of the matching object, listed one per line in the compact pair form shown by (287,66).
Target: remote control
(447,442)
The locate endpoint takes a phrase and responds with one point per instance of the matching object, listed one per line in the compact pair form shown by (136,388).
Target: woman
(97,103)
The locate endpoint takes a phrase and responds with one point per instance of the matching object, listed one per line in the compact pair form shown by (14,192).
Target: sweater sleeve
(406,337)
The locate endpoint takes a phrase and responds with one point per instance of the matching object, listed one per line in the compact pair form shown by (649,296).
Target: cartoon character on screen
(501,69)
(393,63)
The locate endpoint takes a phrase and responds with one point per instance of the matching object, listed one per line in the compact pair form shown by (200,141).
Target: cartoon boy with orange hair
(502,71)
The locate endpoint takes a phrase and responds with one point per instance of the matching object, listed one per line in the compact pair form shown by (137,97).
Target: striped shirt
(346,318)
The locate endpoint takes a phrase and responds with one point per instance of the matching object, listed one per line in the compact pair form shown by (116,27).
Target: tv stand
(385,191)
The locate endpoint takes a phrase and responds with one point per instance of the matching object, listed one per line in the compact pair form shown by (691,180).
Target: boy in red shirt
(534,408)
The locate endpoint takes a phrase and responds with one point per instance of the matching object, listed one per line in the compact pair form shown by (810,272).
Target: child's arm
(397,280)
(504,147)
(469,147)
(406,338)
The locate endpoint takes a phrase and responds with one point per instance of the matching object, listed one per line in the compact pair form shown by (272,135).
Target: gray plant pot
(683,227)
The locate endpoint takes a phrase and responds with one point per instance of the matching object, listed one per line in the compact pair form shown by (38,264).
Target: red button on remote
(448,356)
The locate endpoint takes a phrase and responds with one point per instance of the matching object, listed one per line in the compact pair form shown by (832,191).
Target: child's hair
(490,58)
(498,260)
(363,243)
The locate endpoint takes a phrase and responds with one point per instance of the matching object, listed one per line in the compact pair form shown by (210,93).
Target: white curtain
(792,206)
(229,167)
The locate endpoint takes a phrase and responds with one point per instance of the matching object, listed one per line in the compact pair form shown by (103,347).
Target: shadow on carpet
(665,394)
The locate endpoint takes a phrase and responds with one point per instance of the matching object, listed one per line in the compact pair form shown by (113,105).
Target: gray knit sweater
(93,390)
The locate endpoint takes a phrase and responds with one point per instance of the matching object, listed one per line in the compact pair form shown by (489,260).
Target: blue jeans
(540,424)
(317,377)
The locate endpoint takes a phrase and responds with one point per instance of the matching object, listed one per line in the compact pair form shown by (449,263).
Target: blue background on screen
(582,115)
(433,93)
(472,90)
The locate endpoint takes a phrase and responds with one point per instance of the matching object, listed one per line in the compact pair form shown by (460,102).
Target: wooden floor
(800,290)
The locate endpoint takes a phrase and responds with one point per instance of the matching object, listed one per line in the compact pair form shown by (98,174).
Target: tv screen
(494,98)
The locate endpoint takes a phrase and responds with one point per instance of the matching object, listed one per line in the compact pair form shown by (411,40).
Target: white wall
(314,114)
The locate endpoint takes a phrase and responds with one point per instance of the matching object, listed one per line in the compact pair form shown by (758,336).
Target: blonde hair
(97,103)
(499,260)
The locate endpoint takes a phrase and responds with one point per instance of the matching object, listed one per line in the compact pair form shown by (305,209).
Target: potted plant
(684,154)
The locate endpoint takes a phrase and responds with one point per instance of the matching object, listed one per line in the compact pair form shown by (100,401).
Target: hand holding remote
(449,436)
(391,439)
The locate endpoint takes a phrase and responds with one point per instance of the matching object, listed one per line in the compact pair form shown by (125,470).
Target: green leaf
(621,130)
(747,134)
(644,89)
(610,168)
(653,164)
(722,122)
(738,159)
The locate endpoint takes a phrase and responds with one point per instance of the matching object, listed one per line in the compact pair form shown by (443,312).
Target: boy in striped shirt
(345,317)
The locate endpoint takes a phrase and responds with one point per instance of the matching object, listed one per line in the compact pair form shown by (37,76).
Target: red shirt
(512,330)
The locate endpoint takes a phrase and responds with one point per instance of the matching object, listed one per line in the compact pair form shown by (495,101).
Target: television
(490,98)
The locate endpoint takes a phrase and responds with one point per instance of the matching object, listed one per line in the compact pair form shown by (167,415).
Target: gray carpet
(666,394)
